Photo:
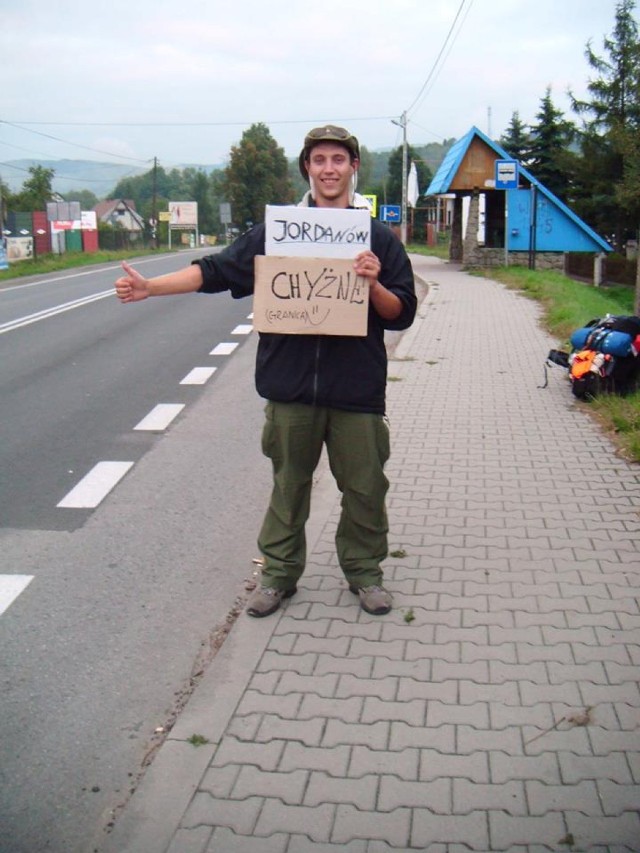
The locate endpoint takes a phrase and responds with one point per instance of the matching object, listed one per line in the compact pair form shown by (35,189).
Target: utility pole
(154,203)
(403,223)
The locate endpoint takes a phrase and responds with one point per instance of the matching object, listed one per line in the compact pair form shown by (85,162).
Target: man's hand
(131,287)
(367,265)
(387,304)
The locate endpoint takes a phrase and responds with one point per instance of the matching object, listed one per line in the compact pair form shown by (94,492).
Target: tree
(257,175)
(516,140)
(394,179)
(36,190)
(87,199)
(550,157)
(611,123)
(201,193)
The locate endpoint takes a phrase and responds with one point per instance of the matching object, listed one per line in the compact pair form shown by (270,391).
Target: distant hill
(102,178)
(99,178)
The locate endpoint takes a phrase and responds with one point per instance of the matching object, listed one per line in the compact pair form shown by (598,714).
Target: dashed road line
(223,349)
(104,476)
(160,417)
(198,376)
(10,588)
(95,485)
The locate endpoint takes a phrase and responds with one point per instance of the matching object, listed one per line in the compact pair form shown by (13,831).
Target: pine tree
(551,160)
(611,126)
(516,140)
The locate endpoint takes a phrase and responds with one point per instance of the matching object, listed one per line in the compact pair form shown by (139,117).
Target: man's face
(330,170)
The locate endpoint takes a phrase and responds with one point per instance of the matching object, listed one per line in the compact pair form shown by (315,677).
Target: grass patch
(567,305)
(69,260)
(439,251)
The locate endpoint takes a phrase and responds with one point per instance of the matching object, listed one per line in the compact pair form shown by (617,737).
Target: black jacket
(325,370)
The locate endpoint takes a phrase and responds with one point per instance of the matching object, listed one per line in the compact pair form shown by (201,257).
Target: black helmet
(327,133)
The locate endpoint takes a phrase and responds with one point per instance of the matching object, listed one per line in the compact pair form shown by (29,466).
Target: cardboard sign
(309,296)
(316,232)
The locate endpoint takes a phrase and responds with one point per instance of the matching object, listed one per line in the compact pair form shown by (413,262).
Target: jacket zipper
(316,372)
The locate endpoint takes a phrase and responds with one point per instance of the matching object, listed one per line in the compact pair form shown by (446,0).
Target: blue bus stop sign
(506,174)
(390,213)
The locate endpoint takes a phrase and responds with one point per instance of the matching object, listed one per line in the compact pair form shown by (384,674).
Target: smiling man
(320,390)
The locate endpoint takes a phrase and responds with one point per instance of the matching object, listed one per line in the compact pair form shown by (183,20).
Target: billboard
(183,214)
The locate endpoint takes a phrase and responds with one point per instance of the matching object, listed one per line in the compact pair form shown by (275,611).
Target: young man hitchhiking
(320,390)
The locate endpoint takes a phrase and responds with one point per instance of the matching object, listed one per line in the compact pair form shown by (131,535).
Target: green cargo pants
(357,447)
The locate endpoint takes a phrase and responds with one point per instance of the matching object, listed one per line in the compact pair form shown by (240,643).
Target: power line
(74,144)
(435,64)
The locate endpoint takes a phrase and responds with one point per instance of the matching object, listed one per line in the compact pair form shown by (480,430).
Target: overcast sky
(149,78)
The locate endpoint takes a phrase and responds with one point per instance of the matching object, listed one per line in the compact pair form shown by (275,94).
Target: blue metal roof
(448,169)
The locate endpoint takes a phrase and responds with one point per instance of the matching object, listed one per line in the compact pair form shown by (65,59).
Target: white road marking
(95,485)
(242,330)
(19,322)
(10,588)
(160,416)
(223,349)
(198,376)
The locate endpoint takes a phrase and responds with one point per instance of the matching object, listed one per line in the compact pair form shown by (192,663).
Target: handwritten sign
(318,232)
(309,296)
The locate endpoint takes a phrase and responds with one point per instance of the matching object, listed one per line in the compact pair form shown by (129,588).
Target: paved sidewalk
(497,708)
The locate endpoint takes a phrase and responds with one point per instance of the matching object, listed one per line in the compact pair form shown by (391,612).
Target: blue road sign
(506,174)
(390,213)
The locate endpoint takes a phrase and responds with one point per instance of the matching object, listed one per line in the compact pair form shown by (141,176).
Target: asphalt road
(122,600)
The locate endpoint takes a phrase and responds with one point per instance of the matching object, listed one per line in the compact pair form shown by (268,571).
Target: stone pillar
(455,247)
(470,242)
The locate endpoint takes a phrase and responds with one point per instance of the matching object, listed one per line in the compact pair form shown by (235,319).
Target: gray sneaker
(265,600)
(373,599)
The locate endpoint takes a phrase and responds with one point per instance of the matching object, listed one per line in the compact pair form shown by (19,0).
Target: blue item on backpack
(610,342)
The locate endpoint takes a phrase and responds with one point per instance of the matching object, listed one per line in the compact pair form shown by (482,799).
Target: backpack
(588,373)
(604,357)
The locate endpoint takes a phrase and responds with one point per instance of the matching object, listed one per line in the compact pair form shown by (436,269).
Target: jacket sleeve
(232,268)
(396,275)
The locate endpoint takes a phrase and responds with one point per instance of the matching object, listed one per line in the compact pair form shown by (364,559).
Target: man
(320,390)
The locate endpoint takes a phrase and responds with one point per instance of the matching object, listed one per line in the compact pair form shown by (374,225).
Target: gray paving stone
(314,821)
(470,830)
(361,792)
(288,787)
(507,830)
(393,827)
(613,767)
(395,793)
(402,763)
(225,840)
(302,844)
(469,796)
(191,840)
(623,829)
(543,767)
(238,815)
(618,798)
(582,797)
(298,756)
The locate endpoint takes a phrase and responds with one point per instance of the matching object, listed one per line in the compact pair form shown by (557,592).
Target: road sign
(390,213)
(506,174)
